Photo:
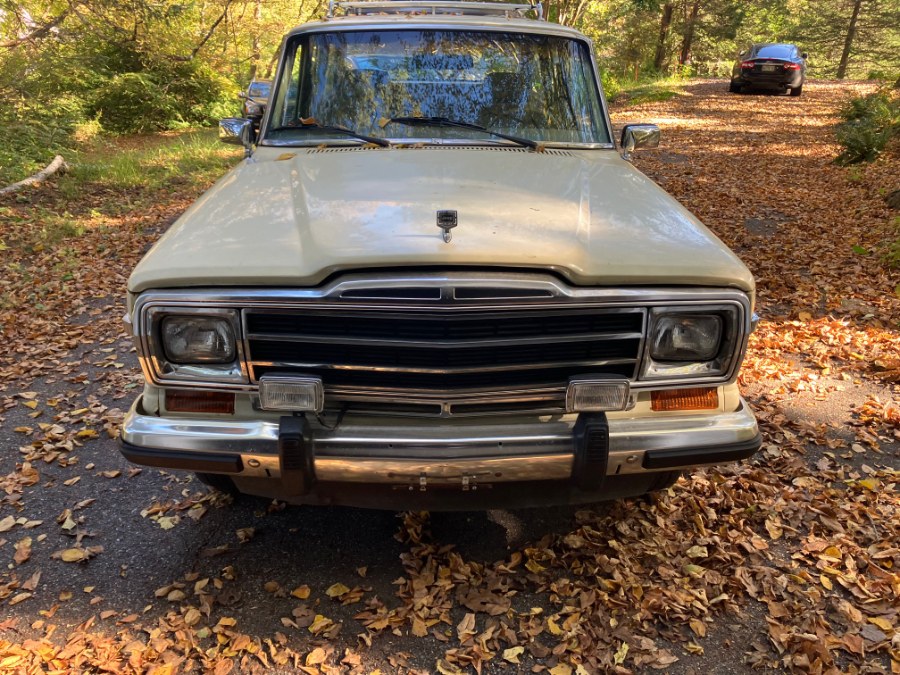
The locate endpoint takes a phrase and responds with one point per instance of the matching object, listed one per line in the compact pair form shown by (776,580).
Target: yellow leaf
(419,629)
(698,627)
(74,555)
(553,627)
(697,552)
(7,524)
(447,668)
(16,599)
(621,653)
(30,404)
(72,481)
(534,567)
(285,156)
(871,484)
(319,624)
(774,529)
(87,433)
(192,617)
(316,656)
(561,669)
(512,654)
(337,590)
(23,550)
(882,623)
(301,592)
(826,582)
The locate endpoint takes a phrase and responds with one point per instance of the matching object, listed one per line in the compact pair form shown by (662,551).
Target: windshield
(259,89)
(537,87)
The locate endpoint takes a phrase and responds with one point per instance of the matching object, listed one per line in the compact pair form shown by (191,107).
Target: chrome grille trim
(481,291)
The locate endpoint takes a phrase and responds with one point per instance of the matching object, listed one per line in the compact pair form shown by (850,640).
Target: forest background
(74,70)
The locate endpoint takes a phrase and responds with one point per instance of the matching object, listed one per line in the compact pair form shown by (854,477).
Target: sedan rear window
(775,52)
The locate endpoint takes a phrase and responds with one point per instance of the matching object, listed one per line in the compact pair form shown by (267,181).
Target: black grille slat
(444,350)
(440,326)
(424,357)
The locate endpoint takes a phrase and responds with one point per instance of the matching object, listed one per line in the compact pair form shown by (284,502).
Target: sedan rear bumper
(790,78)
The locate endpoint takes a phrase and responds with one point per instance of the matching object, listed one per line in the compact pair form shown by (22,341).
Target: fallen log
(58,164)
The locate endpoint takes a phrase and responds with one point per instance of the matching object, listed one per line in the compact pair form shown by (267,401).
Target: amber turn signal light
(180,400)
(684,399)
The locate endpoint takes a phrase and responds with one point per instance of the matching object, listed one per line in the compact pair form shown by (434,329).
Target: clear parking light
(301,394)
(588,395)
(686,337)
(198,339)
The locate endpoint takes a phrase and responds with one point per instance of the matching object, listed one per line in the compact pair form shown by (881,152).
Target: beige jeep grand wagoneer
(435,282)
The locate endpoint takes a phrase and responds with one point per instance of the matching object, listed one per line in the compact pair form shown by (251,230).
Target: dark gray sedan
(772,66)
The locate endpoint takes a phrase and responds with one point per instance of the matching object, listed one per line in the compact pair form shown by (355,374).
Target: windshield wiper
(444,122)
(335,130)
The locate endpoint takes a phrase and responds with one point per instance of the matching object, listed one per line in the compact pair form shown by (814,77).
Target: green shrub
(869,124)
(611,84)
(164,97)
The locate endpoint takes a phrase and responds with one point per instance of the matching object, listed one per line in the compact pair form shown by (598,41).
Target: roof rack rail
(425,7)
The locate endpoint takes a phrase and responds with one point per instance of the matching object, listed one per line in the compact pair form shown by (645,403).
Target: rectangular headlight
(192,345)
(197,339)
(691,343)
(686,337)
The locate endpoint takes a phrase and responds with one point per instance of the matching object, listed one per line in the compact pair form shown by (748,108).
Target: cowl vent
(478,148)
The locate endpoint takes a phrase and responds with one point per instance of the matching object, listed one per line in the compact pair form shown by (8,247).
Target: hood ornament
(447,220)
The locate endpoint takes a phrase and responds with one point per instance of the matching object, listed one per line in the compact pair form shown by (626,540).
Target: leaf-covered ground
(790,561)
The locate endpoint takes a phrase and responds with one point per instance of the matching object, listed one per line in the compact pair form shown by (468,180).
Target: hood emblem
(447,220)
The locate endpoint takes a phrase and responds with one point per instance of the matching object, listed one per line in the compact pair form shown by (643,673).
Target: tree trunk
(689,33)
(664,25)
(848,42)
(255,50)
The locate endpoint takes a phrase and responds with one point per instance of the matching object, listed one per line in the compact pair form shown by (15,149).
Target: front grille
(437,359)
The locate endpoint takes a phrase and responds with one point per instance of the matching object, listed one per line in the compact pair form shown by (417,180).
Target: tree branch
(58,164)
(209,34)
(38,32)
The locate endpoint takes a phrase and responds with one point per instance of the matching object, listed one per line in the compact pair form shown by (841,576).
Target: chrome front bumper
(392,453)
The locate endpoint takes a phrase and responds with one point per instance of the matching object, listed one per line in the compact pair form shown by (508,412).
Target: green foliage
(869,124)
(611,84)
(187,95)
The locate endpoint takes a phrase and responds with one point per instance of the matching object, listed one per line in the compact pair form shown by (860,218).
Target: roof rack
(426,7)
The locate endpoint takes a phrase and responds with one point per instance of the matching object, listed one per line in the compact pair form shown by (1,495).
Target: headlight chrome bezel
(166,369)
(702,370)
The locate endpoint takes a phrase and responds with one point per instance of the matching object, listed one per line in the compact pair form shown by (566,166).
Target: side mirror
(804,55)
(635,136)
(237,131)
(242,94)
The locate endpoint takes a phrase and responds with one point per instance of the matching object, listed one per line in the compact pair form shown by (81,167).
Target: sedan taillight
(747,64)
(792,66)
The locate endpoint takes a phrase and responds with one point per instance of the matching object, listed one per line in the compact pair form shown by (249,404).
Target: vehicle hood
(294,216)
